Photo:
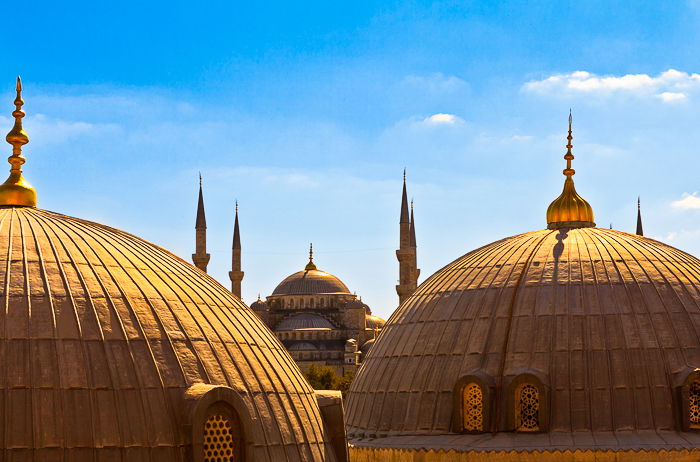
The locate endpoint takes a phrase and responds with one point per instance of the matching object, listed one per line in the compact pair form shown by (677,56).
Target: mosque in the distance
(571,343)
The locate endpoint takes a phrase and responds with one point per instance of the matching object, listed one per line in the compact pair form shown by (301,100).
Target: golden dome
(569,210)
(607,322)
(107,339)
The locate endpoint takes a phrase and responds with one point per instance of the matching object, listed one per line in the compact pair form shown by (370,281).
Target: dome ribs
(607,318)
(133,326)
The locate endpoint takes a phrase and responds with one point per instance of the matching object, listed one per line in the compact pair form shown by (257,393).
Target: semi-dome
(304,321)
(113,345)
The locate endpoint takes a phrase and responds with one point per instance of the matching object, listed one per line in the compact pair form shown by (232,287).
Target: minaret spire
(408,271)
(569,210)
(236,273)
(16,190)
(640,230)
(201,258)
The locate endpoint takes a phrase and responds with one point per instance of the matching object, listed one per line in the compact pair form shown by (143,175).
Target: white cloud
(441,118)
(671,97)
(688,202)
(669,86)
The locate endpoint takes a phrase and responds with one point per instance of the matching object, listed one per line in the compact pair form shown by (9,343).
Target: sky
(308,112)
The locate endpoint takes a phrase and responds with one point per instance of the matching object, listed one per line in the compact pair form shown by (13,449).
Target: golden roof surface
(103,333)
(608,319)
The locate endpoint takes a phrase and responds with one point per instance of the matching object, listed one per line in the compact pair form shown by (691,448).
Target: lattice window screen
(473,411)
(694,404)
(219,440)
(527,408)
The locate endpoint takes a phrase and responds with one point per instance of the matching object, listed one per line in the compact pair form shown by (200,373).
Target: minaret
(414,248)
(201,258)
(408,273)
(236,275)
(640,231)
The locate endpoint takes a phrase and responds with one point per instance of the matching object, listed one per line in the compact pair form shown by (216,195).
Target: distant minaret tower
(236,275)
(201,258)
(408,271)
(640,230)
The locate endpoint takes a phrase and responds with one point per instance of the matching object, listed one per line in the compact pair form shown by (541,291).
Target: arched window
(222,437)
(472,408)
(527,408)
(694,404)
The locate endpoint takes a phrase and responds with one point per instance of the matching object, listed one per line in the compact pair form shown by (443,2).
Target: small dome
(106,337)
(367,345)
(374,321)
(259,305)
(311,282)
(304,321)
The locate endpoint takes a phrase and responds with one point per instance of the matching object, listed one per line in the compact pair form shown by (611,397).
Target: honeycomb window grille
(473,408)
(220,439)
(694,404)
(527,408)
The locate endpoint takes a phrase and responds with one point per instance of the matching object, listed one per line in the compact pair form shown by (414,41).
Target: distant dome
(367,345)
(110,343)
(605,324)
(311,282)
(304,321)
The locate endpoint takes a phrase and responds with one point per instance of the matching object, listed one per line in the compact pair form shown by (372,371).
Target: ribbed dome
(608,320)
(311,282)
(304,321)
(102,335)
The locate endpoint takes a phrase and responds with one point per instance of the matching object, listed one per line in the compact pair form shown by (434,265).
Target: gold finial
(236,205)
(310,265)
(569,210)
(16,190)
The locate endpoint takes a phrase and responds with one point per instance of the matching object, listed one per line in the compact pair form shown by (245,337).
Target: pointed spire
(16,190)
(236,233)
(201,222)
(413,227)
(404,201)
(569,210)
(310,265)
(640,230)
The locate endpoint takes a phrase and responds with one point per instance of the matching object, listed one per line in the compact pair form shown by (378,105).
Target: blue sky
(308,113)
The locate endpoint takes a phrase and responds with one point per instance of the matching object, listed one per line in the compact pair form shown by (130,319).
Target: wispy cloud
(670,86)
(436,83)
(688,202)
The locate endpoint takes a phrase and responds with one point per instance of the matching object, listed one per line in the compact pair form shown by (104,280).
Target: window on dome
(527,408)
(222,442)
(694,404)
(472,408)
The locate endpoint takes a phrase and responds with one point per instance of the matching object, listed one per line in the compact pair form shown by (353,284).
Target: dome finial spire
(569,210)
(310,265)
(16,190)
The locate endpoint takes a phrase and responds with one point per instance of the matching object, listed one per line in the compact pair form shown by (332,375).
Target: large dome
(112,345)
(310,282)
(605,323)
